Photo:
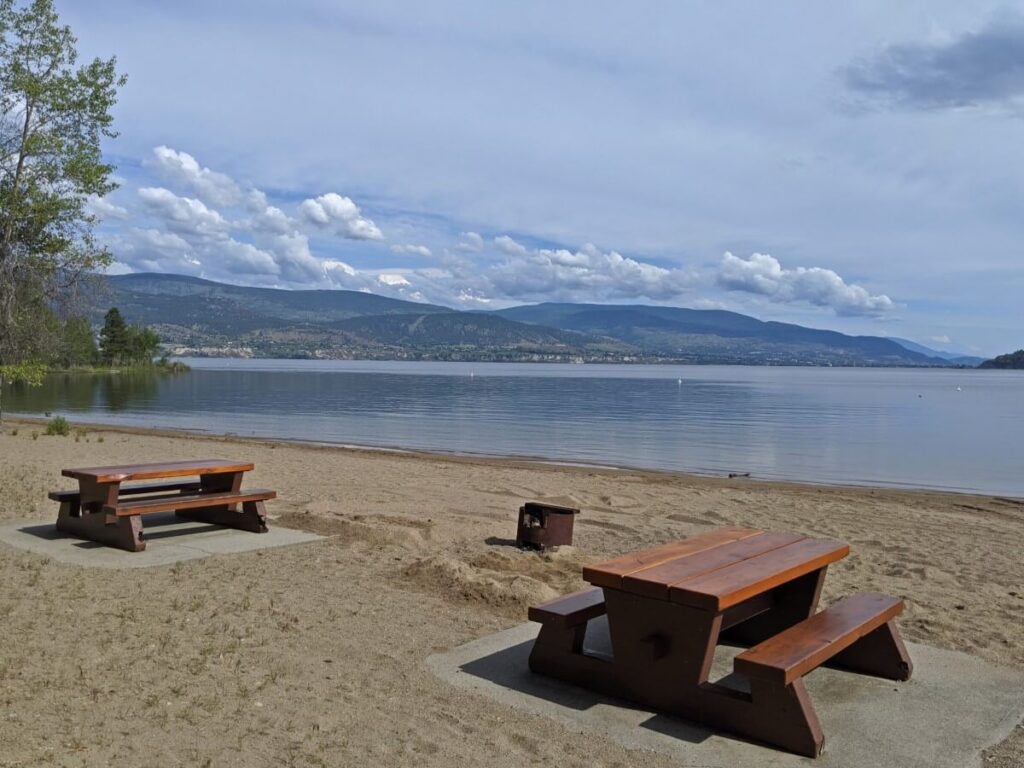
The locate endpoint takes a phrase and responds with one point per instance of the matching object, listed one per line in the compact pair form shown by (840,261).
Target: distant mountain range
(955,358)
(201,317)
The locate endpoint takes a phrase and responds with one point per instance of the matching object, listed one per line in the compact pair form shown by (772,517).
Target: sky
(858,166)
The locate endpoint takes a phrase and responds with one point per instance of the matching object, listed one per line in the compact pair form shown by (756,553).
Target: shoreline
(514,460)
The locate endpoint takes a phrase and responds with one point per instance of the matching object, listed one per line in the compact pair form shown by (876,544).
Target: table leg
(222,482)
(252,517)
(88,520)
(661,658)
(663,651)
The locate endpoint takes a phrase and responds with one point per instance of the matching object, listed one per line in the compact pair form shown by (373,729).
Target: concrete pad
(954,707)
(169,540)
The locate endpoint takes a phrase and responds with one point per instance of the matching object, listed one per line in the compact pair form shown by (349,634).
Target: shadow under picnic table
(509,668)
(158,526)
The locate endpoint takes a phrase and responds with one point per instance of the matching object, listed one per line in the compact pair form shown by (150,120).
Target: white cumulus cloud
(153,250)
(212,187)
(506,244)
(102,208)
(586,274)
(228,231)
(270,220)
(392,279)
(414,250)
(764,275)
(184,215)
(340,214)
(470,242)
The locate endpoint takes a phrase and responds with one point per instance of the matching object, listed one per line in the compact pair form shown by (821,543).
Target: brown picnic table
(106,510)
(669,607)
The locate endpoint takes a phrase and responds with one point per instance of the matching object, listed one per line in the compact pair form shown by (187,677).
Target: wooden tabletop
(717,569)
(116,474)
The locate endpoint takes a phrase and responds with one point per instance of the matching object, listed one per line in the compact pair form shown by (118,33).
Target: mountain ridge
(653,323)
(956,358)
(199,316)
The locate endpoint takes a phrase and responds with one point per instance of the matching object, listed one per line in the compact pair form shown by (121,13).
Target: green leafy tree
(78,344)
(115,340)
(123,344)
(143,345)
(53,116)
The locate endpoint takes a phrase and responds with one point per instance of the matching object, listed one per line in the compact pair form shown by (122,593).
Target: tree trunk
(8,257)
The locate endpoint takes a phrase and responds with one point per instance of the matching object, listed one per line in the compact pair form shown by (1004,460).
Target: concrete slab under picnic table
(953,708)
(169,539)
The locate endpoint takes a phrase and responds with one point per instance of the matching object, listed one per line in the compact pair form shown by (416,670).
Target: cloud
(151,250)
(279,251)
(975,69)
(102,208)
(271,220)
(339,213)
(415,250)
(270,247)
(212,187)
(295,259)
(238,257)
(764,275)
(184,215)
(586,274)
(470,242)
(392,279)
(943,339)
(507,245)
(343,275)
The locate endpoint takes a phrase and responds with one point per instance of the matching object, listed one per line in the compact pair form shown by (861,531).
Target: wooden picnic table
(103,509)
(669,607)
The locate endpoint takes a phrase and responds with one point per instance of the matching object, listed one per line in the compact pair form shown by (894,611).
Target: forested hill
(728,336)
(195,316)
(1010,361)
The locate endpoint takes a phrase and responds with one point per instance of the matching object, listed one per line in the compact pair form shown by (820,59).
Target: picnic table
(103,509)
(669,607)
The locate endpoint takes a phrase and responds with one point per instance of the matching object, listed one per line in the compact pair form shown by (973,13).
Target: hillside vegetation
(201,317)
(1009,361)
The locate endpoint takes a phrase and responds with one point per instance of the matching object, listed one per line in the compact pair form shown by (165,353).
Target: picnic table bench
(102,509)
(670,606)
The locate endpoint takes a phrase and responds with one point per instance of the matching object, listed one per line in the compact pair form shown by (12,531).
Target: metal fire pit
(545,525)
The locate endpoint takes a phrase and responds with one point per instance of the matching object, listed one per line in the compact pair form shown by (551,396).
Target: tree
(115,341)
(143,344)
(78,345)
(53,116)
(123,344)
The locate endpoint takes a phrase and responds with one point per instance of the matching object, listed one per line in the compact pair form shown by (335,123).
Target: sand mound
(487,579)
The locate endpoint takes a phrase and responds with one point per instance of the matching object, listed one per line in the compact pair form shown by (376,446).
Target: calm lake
(948,429)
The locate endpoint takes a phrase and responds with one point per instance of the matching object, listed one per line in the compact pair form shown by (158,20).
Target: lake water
(948,429)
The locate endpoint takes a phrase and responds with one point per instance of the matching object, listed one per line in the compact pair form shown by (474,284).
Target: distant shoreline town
(202,318)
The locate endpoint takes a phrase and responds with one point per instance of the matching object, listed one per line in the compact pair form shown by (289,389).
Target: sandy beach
(313,655)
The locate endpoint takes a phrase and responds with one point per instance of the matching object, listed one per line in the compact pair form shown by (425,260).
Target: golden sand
(313,655)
